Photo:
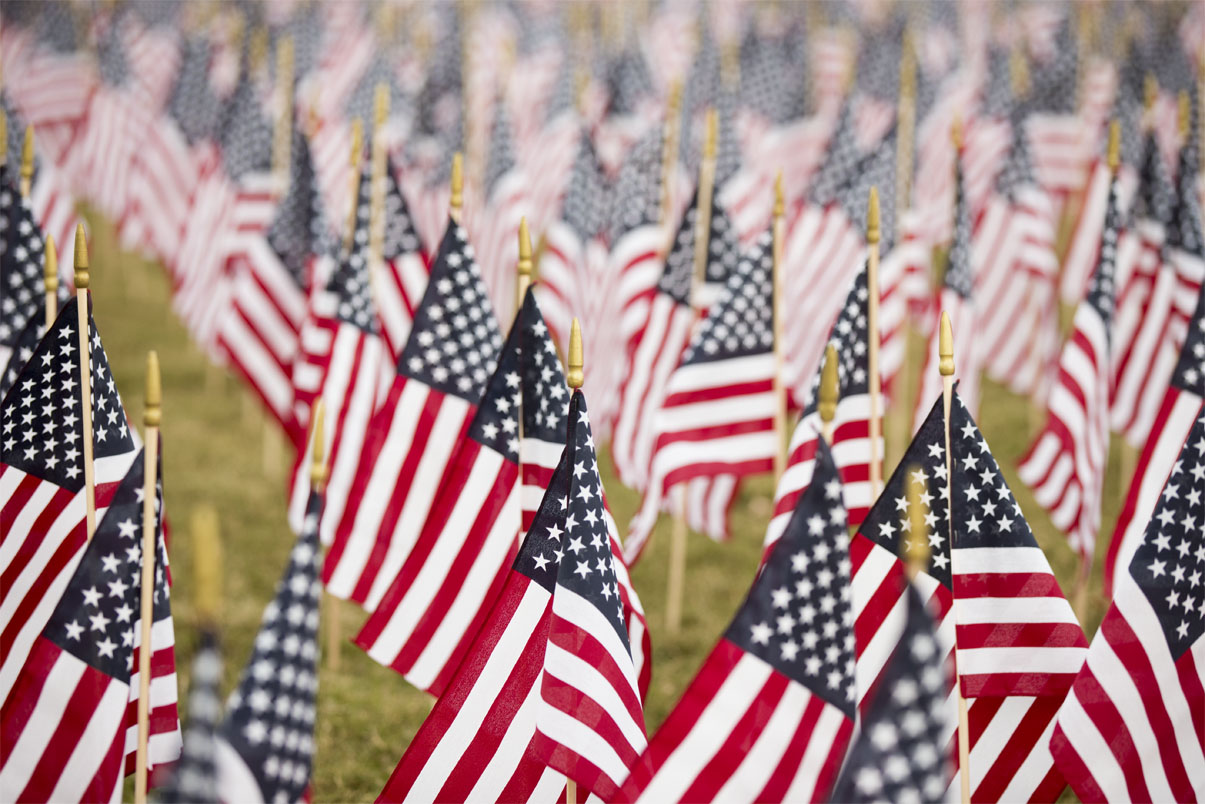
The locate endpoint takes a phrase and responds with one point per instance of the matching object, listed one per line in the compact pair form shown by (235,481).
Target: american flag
(769,715)
(1018,639)
(194,777)
(718,414)
(42,505)
(70,724)
(1154,309)
(589,722)
(956,299)
(1133,722)
(476,742)
(442,373)
(344,361)
(1015,265)
(22,279)
(1065,465)
(1181,406)
(400,281)
(458,565)
(266,743)
(260,331)
(899,754)
(851,424)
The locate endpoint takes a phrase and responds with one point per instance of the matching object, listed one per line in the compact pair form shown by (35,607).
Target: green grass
(216,454)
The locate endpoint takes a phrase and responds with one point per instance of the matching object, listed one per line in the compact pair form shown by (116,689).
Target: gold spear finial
(357,150)
(829,386)
(780,204)
(1114,152)
(1150,91)
(918,544)
(872,216)
(945,347)
(207,563)
(27,161)
(1018,72)
(711,134)
(81,258)
(1183,114)
(380,105)
(318,453)
(357,142)
(50,265)
(153,414)
(956,132)
(575,376)
(524,266)
(457,200)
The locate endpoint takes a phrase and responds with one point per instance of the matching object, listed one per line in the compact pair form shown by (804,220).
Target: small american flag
(42,480)
(1065,465)
(769,715)
(589,722)
(899,754)
(851,424)
(69,728)
(1133,722)
(266,743)
(442,373)
(1181,406)
(718,413)
(193,779)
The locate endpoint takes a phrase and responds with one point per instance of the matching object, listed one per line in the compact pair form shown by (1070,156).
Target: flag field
(214,436)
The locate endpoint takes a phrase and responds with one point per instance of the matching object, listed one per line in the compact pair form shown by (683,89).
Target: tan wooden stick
(150,532)
(85,374)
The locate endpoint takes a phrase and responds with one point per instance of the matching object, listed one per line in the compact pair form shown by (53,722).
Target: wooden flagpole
(896,435)
(27,163)
(826,404)
(85,372)
(150,530)
(945,351)
(780,392)
(50,278)
(574,377)
(456,200)
(676,581)
(318,473)
(353,170)
(523,268)
(872,336)
(669,155)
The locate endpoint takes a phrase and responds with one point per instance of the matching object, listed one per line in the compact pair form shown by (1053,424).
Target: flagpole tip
(945,347)
(153,414)
(1150,91)
(575,376)
(380,104)
(916,547)
(872,216)
(1183,114)
(524,267)
(318,450)
(207,564)
(780,204)
(50,265)
(457,201)
(829,386)
(1114,152)
(27,155)
(81,258)
(357,142)
(956,132)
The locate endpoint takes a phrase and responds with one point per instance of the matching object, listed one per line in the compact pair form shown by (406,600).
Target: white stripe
(477,704)
(578,611)
(1001,560)
(1092,748)
(511,750)
(48,710)
(582,740)
(702,376)
(576,672)
(762,758)
(94,744)
(1032,771)
(1020,660)
(820,745)
(975,611)
(732,700)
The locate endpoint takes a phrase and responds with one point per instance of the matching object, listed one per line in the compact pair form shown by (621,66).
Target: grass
(216,454)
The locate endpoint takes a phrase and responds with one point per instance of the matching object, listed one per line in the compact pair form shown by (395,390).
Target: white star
(74,629)
(91,597)
(105,647)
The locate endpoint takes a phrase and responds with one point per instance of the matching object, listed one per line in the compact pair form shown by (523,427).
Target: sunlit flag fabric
(1065,466)
(589,722)
(42,502)
(900,751)
(475,743)
(851,424)
(193,779)
(344,360)
(718,414)
(265,745)
(1181,406)
(769,715)
(442,373)
(69,730)
(1132,725)
(451,577)
(259,332)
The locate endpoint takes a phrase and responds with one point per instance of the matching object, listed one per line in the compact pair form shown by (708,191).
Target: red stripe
(1021,743)
(572,639)
(1190,681)
(1006,585)
(574,766)
(741,735)
(1006,634)
(1107,720)
(789,765)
